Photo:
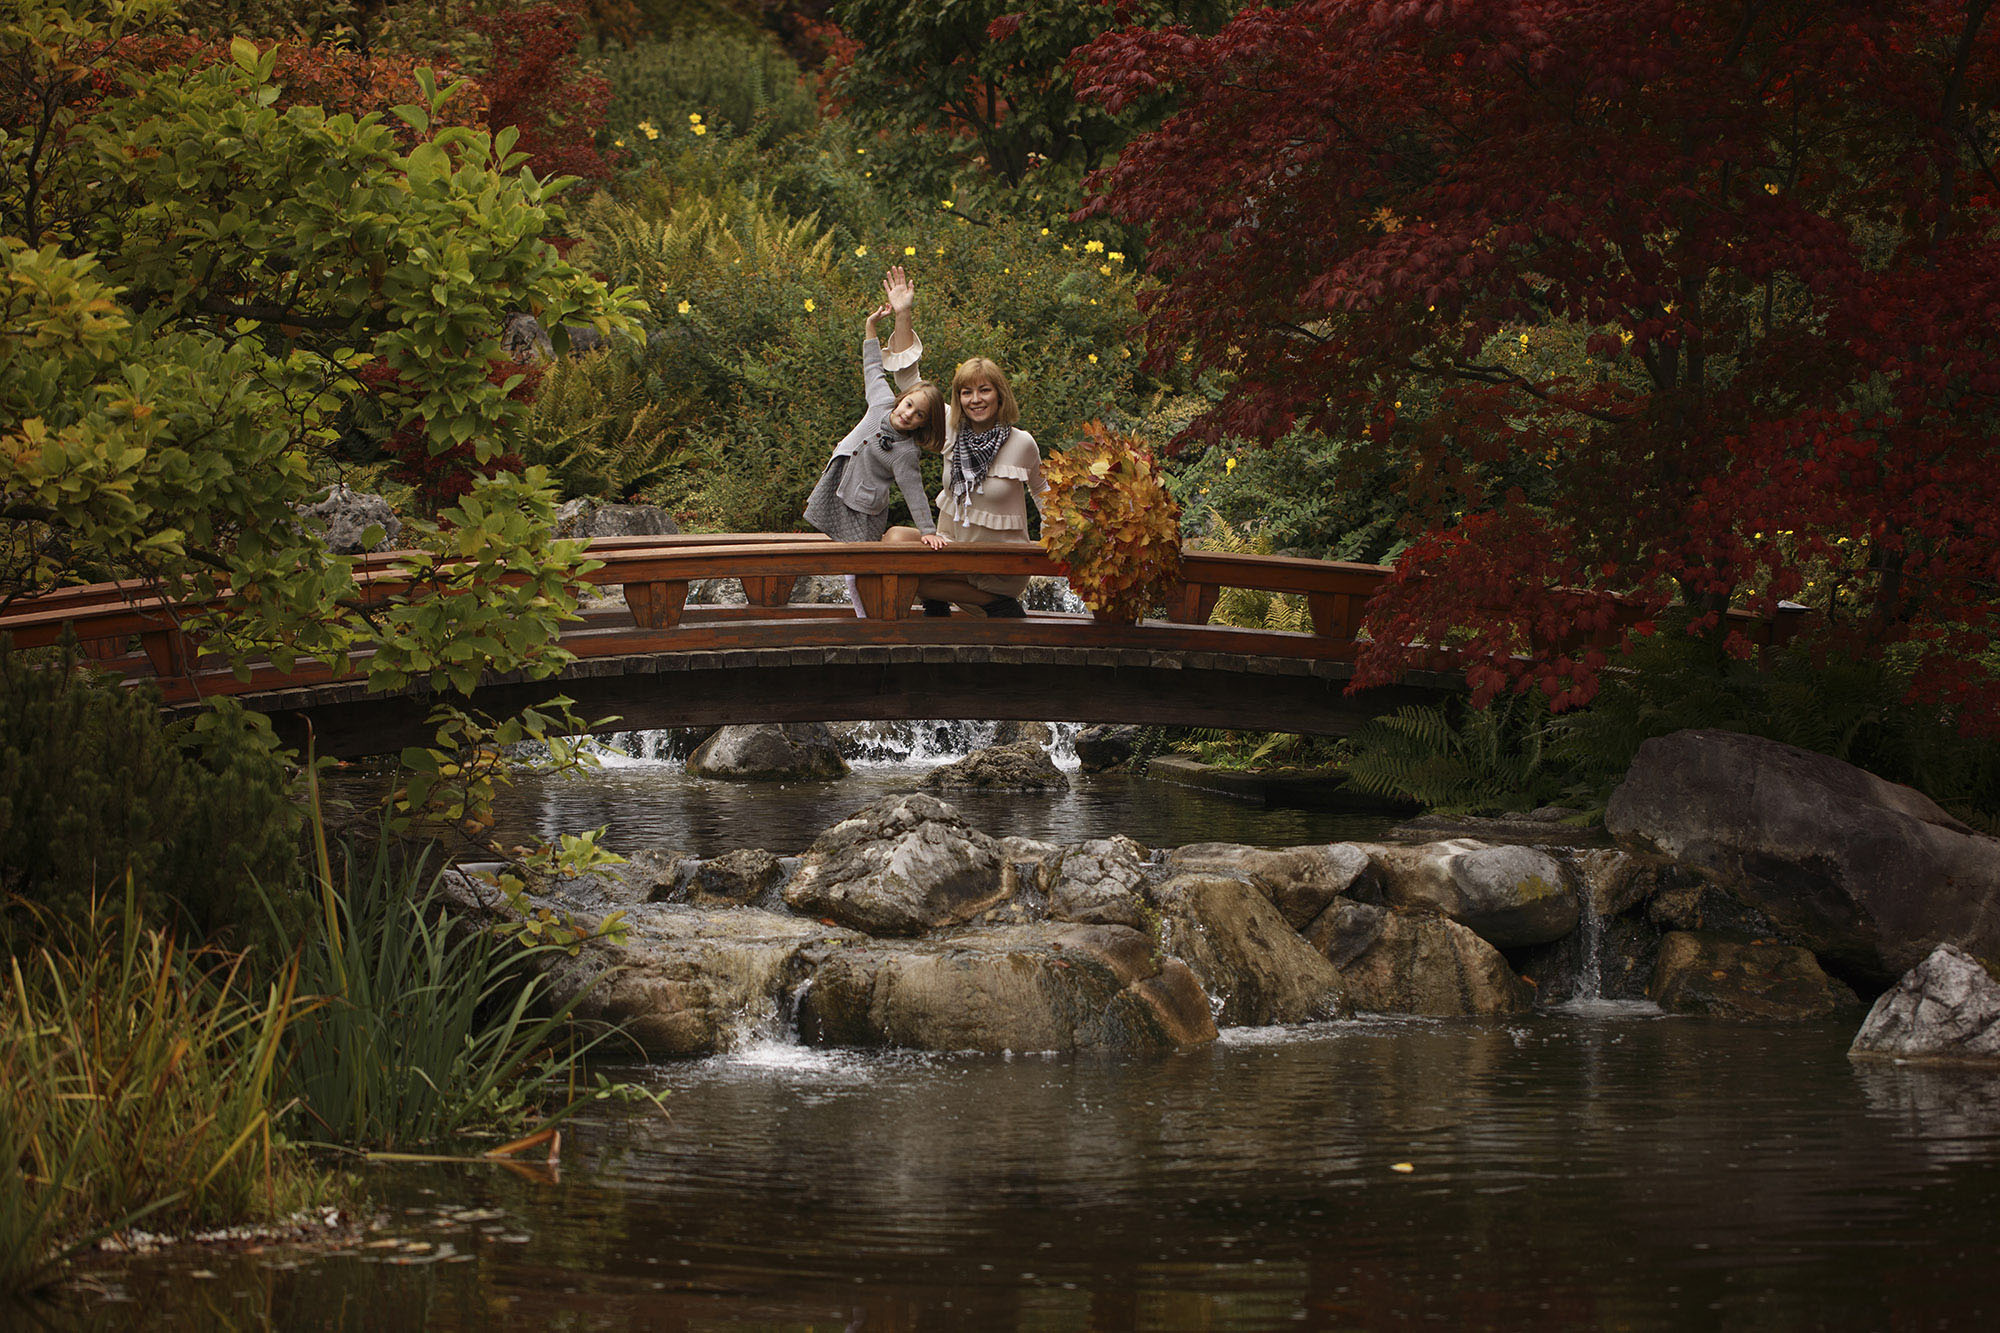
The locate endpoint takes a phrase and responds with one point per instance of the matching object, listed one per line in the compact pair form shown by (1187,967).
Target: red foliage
(440,478)
(534,84)
(1778,220)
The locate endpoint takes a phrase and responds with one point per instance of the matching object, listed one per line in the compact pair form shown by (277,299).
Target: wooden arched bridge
(657,661)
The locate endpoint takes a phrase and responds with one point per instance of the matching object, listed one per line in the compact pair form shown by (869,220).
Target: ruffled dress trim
(903,360)
(971,516)
(1013,471)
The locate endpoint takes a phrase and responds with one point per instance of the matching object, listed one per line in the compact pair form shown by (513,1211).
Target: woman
(991,468)
(851,501)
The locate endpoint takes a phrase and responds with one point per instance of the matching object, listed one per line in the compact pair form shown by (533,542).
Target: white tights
(854,596)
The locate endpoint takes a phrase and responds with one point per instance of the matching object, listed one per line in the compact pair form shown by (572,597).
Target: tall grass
(430,1030)
(135,1082)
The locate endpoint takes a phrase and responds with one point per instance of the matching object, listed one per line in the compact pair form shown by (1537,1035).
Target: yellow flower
(944,203)
(860,250)
(649,129)
(1230,465)
(1093,247)
(1524,342)
(1770,189)
(1116,256)
(1045,231)
(700,129)
(683,307)
(1399,402)
(863,152)
(1093,358)
(1125,352)
(694,117)
(810,307)
(617,143)
(940,249)
(1105,269)
(1093,300)
(909,249)
(1066,247)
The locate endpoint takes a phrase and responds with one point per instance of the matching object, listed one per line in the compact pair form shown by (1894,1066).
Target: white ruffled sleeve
(902,366)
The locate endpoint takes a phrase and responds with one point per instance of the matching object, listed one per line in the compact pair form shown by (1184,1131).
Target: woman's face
(979,402)
(911,413)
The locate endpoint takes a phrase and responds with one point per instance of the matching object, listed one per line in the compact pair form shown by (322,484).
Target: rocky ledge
(902,925)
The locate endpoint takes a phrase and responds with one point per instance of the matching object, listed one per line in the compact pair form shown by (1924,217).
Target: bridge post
(656,605)
(1333,614)
(1192,603)
(768,589)
(886,596)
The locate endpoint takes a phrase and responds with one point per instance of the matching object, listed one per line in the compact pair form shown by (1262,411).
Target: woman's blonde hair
(931,434)
(979,368)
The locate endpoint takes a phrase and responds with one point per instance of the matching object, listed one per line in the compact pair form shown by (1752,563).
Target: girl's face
(912,413)
(979,402)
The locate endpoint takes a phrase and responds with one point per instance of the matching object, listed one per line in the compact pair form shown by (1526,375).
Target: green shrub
(95,791)
(733,81)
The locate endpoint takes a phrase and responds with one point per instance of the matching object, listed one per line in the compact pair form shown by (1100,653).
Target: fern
(594,425)
(1483,761)
(1249,608)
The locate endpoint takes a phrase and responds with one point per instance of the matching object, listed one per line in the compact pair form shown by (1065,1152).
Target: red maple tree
(1768,226)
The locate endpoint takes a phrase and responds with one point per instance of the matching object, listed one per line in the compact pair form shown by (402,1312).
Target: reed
(428,1030)
(135,1082)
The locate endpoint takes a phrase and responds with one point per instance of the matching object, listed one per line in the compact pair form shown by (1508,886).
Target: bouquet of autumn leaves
(1111,526)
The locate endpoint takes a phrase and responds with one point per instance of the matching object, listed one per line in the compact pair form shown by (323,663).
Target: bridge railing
(655,575)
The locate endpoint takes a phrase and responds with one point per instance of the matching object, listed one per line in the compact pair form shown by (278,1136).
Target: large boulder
(1945,1008)
(902,866)
(1416,963)
(1099,882)
(769,752)
(1023,766)
(589,517)
(1511,896)
(1256,968)
(1869,875)
(1106,745)
(1299,881)
(1720,976)
(346,515)
(1043,987)
(685,981)
(1031,733)
(735,878)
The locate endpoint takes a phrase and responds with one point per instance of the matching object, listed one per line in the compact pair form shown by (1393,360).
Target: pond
(1600,1171)
(1601,1167)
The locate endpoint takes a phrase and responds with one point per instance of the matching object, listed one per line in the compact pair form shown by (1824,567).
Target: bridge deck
(656,661)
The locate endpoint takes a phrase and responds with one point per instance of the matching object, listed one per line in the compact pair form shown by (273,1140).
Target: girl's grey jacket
(864,483)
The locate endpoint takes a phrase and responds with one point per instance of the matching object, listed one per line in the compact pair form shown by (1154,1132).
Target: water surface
(1563,1172)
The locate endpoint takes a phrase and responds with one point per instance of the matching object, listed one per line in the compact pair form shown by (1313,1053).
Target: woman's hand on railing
(937,541)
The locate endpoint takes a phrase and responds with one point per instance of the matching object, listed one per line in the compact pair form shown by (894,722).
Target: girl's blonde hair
(979,368)
(931,434)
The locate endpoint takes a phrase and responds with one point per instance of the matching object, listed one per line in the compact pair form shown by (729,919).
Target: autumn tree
(1769,223)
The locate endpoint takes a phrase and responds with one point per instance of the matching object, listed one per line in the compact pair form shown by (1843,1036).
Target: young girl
(850,502)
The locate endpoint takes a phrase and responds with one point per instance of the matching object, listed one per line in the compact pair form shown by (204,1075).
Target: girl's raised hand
(900,292)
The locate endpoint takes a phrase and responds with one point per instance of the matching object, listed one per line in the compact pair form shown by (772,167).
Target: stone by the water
(1945,1008)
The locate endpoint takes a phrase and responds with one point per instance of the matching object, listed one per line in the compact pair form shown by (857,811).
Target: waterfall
(863,744)
(1595,869)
